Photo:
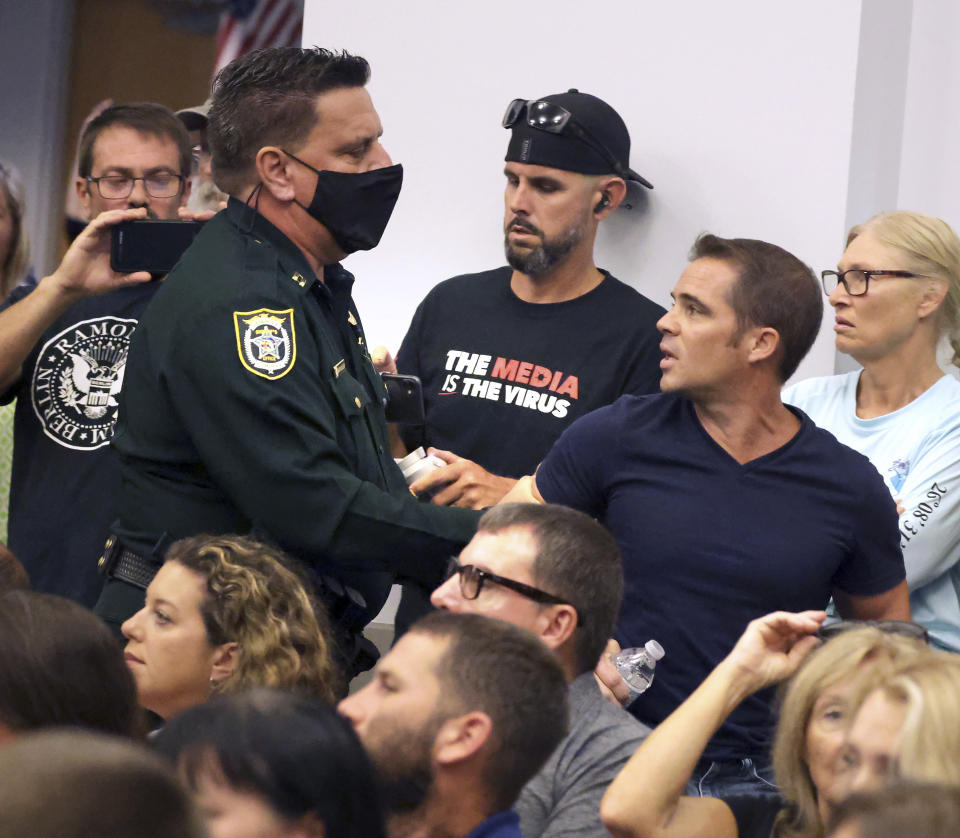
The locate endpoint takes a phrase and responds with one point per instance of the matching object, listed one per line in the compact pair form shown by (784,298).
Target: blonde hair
(13,266)
(932,248)
(929,687)
(254,599)
(836,660)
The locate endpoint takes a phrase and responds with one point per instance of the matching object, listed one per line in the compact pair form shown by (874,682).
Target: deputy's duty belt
(123,564)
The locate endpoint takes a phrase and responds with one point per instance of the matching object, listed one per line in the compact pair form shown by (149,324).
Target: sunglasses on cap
(556,119)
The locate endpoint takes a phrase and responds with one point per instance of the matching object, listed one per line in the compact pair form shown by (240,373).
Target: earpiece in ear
(602,204)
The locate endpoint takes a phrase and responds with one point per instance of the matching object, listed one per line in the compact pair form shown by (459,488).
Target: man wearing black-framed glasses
(557,573)
(65,345)
(510,357)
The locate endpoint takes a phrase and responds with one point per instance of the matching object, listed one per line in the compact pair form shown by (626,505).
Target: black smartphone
(150,245)
(404,398)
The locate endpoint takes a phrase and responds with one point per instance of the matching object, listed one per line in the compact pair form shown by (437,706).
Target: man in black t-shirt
(509,357)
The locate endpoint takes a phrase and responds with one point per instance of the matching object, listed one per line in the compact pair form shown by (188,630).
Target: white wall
(906,118)
(929,176)
(741,115)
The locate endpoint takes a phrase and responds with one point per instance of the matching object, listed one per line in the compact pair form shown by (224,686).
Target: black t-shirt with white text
(502,378)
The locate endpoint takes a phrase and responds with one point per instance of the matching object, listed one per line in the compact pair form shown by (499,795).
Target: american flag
(252,24)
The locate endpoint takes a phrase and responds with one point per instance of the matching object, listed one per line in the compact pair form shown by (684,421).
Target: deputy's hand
(772,647)
(613,687)
(464,483)
(383,360)
(85,270)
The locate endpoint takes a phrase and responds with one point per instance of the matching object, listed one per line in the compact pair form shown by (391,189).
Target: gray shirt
(564,798)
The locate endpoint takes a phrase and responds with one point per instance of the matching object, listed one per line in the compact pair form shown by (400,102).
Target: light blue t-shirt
(916,449)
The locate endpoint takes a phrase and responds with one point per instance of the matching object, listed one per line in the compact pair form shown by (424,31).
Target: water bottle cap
(654,649)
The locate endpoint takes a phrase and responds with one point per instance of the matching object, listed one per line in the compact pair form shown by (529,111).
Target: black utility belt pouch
(123,564)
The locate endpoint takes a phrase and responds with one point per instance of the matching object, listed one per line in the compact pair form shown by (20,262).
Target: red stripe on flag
(273,35)
(272,23)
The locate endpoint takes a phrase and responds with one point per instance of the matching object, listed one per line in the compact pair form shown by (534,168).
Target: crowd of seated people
(445,721)
(226,709)
(867,707)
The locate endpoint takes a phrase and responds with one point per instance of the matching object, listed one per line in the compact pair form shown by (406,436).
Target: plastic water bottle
(636,666)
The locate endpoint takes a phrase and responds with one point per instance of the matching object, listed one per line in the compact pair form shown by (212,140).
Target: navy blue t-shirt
(709,544)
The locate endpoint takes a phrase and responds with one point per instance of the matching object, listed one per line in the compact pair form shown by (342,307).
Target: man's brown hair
(506,672)
(147,118)
(774,288)
(269,97)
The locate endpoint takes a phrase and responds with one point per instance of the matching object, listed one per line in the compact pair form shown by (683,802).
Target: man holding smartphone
(250,402)
(63,350)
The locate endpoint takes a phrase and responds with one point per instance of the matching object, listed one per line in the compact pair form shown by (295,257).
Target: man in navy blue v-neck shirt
(726,503)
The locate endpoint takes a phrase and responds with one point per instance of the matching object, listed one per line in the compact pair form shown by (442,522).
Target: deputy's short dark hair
(774,288)
(269,97)
(577,560)
(145,117)
(509,674)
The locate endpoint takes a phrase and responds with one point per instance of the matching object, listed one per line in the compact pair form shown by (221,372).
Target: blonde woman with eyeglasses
(896,299)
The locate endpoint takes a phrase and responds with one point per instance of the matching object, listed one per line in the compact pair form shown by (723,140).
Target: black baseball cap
(195,118)
(590,139)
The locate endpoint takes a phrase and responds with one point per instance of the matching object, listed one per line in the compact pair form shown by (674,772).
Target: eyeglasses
(472,580)
(906,628)
(556,119)
(856,281)
(160,185)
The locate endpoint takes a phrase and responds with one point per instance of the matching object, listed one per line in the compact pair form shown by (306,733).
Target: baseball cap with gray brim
(573,131)
(195,118)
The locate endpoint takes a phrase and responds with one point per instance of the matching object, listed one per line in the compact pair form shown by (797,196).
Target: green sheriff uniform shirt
(250,404)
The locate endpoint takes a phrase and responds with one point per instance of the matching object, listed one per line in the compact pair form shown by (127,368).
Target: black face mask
(354,207)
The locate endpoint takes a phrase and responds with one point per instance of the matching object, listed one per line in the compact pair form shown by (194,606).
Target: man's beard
(205,196)
(546,255)
(403,763)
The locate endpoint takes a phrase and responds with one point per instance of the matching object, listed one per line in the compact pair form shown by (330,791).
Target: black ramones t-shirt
(64,483)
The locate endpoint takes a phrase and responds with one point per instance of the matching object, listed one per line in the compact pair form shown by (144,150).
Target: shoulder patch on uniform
(266,341)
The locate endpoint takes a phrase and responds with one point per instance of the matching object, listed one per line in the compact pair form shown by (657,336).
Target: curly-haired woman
(223,614)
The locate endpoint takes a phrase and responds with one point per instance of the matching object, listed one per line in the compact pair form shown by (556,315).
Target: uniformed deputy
(250,403)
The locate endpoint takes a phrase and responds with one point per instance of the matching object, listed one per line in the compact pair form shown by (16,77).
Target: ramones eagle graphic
(77,377)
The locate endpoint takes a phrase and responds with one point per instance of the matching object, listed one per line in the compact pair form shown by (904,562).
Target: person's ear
(462,737)
(608,195)
(762,343)
(556,625)
(226,658)
(934,293)
(83,188)
(275,173)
